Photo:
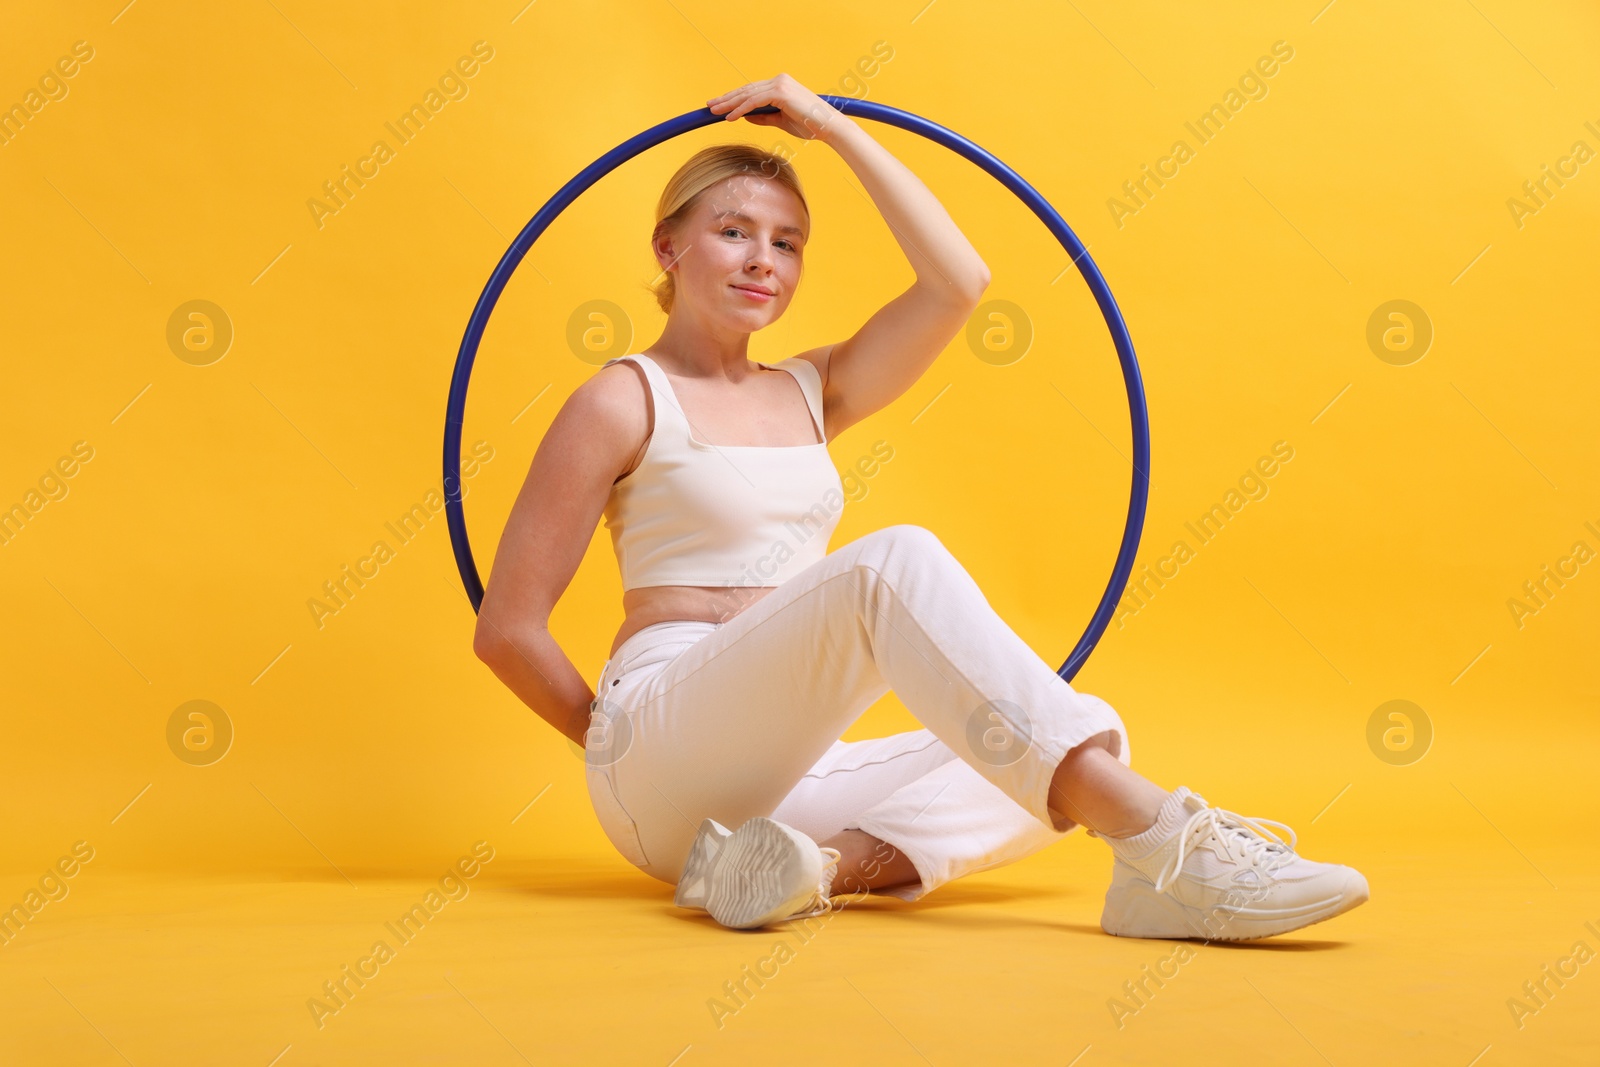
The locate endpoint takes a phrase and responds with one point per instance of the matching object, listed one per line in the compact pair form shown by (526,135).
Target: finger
(733,95)
(728,97)
(748,104)
(732,101)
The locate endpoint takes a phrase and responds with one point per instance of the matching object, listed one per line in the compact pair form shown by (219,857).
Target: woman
(747,648)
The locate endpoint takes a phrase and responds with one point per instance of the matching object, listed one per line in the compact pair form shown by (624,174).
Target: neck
(700,349)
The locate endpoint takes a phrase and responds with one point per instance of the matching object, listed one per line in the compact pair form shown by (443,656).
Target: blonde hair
(703,170)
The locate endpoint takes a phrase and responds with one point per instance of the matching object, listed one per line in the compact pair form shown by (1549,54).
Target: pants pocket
(656,655)
(659,642)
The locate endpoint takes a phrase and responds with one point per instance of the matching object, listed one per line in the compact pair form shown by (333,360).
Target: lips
(758,292)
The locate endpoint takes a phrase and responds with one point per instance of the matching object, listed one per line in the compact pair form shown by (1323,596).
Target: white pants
(731,720)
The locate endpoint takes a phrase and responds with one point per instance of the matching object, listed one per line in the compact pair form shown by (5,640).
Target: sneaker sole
(754,875)
(1135,909)
(694,882)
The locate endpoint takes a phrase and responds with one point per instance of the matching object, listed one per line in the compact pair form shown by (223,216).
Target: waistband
(656,635)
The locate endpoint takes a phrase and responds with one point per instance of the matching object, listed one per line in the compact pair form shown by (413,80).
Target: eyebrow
(748,221)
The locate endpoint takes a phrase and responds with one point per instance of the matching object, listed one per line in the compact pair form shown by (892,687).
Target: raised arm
(592,440)
(901,340)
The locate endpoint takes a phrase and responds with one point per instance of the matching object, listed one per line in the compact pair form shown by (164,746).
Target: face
(737,256)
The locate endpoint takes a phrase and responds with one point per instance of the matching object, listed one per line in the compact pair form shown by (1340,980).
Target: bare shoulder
(605,419)
(612,392)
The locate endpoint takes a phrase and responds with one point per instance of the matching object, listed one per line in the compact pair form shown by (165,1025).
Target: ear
(663,244)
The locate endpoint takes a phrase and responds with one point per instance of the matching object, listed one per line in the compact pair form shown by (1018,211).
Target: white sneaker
(763,872)
(1204,872)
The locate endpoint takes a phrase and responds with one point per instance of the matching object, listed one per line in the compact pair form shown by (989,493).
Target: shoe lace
(820,902)
(1242,836)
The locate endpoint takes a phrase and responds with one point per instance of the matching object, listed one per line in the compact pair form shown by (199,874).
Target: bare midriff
(651,604)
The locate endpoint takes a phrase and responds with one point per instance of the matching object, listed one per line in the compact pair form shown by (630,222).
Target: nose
(760,261)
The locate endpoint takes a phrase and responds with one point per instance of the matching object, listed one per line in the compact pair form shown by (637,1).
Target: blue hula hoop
(1137,411)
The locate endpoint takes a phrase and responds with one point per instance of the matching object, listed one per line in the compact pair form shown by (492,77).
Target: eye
(790,245)
(730,229)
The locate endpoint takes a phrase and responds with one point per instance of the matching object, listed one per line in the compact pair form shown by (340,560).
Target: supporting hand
(801,113)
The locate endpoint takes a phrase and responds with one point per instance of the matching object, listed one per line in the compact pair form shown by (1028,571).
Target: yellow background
(369,753)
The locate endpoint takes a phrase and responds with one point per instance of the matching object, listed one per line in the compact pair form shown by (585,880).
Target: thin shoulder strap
(666,401)
(810,381)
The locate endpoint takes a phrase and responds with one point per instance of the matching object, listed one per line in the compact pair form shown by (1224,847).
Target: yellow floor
(587,961)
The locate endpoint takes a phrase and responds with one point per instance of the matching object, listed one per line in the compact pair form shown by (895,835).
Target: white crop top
(693,513)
